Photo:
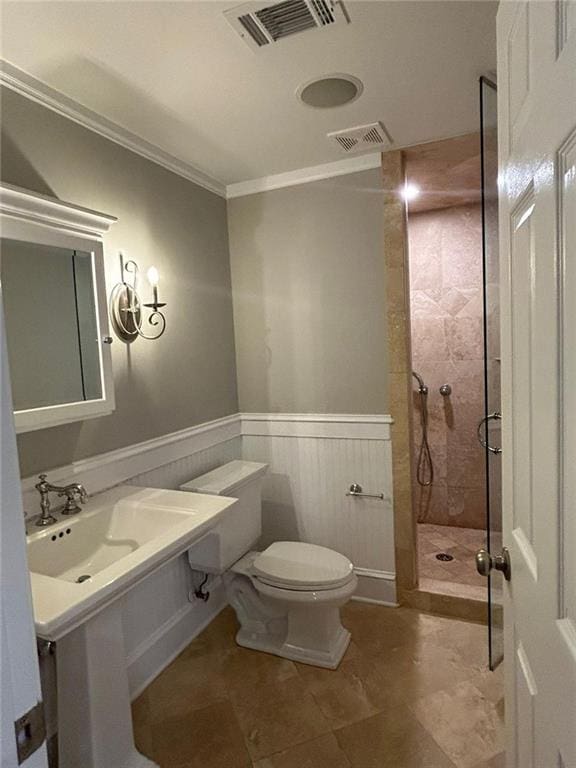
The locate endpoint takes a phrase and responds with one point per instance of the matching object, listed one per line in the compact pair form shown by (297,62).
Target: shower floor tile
(458,576)
(413,690)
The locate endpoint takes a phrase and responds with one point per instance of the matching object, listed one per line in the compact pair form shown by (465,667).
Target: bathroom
(253,466)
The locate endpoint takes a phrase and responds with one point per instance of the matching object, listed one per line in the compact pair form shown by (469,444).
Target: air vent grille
(260,23)
(286,18)
(253,30)
(361,138)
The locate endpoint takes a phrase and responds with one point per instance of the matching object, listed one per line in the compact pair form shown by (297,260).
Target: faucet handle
(72,492)
(41,486)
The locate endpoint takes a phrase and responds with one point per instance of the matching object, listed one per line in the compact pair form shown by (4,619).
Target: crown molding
(21,204)
(26,85)
(304,175)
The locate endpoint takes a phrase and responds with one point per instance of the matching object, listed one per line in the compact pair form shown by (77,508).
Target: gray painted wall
(189,375)
(309,307)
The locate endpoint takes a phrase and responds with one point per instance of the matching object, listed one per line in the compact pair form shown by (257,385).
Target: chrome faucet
(75,492)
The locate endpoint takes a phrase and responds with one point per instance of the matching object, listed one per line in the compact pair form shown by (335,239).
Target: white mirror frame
(34,218)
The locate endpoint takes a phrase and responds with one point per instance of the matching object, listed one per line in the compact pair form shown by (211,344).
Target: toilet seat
(296,566)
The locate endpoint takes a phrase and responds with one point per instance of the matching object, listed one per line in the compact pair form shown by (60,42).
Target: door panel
(525,708)
(537,129)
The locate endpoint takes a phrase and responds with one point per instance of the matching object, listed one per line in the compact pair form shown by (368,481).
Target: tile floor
(413,691)
(459,576)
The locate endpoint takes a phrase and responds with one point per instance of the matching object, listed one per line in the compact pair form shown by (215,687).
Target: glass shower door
(489,427)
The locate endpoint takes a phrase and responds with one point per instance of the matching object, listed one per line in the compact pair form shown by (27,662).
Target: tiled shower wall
(445,254)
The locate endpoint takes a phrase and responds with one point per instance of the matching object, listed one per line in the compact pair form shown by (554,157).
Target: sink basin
(86,545)
(121,535)
(79,567)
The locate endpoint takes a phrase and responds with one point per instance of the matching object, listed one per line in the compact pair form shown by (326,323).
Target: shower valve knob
(445,390)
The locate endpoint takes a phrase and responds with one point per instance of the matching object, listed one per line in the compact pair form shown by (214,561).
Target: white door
(19,674)
(537,149)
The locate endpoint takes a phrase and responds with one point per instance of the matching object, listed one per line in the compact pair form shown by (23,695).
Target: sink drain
(445,557)
(84,577)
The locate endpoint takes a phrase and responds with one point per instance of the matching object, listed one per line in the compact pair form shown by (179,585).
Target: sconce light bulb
(153,276)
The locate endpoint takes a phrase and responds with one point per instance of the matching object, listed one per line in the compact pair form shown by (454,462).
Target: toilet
(288,597)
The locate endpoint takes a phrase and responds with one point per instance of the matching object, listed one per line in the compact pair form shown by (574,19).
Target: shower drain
(445,557)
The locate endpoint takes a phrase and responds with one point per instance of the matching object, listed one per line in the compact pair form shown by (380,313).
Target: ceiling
(177,75)
(447,173)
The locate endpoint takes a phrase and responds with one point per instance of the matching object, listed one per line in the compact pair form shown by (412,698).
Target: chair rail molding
(106,470)
(328,425)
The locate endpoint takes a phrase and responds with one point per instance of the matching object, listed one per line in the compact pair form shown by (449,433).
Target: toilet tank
(240,527)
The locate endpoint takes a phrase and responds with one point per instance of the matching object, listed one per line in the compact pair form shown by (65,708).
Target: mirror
(54,299)
(51,324)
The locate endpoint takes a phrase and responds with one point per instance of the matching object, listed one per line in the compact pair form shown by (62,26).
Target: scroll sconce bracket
(126,308)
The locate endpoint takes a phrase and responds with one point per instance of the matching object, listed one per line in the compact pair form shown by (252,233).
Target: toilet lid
(292,564)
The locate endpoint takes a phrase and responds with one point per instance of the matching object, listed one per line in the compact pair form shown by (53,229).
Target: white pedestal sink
(79,568)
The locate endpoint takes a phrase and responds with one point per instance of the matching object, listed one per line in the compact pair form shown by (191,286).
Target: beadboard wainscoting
(313,461)
(155,636)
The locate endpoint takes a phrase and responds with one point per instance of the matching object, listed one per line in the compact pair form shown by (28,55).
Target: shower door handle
(496,416)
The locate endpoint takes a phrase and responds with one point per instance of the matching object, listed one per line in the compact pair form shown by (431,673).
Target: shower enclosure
(489,427)
(455,343)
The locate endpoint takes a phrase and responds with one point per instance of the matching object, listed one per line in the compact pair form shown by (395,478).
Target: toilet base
(277,645)
(292,624)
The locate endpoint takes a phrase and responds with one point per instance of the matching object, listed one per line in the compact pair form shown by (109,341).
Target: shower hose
(424,465)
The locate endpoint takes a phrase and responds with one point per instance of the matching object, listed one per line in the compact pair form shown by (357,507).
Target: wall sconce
(126,307)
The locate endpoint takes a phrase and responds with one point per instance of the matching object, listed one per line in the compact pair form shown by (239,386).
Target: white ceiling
(177,75)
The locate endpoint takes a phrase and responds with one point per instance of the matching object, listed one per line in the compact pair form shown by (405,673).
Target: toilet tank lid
(299,564)
(225,479)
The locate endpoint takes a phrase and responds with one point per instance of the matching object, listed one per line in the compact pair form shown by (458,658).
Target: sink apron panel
(94,716)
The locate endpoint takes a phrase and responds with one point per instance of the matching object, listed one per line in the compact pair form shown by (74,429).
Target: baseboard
(376,586)
(371,601)
(158,650)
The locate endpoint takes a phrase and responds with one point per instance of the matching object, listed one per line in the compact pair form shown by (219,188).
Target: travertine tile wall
(446,305)
(399,368)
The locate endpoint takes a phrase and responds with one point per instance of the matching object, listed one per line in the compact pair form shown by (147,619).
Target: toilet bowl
(288,597)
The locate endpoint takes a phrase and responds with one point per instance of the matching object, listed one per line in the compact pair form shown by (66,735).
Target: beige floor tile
(206,737)
(323,752)
(221,706)
(498,761)
(220,633)
(277,716)
(414,675)
(190,682)
(356,690)
(241,668)
(466,725)
(423,624)
(443,541)
(377,630)
(393,739)
(430,568)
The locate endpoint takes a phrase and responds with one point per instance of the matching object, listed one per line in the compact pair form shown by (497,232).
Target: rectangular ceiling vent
(362,138)
(260,24)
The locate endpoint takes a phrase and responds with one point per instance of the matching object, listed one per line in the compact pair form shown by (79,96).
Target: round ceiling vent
(330,91)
